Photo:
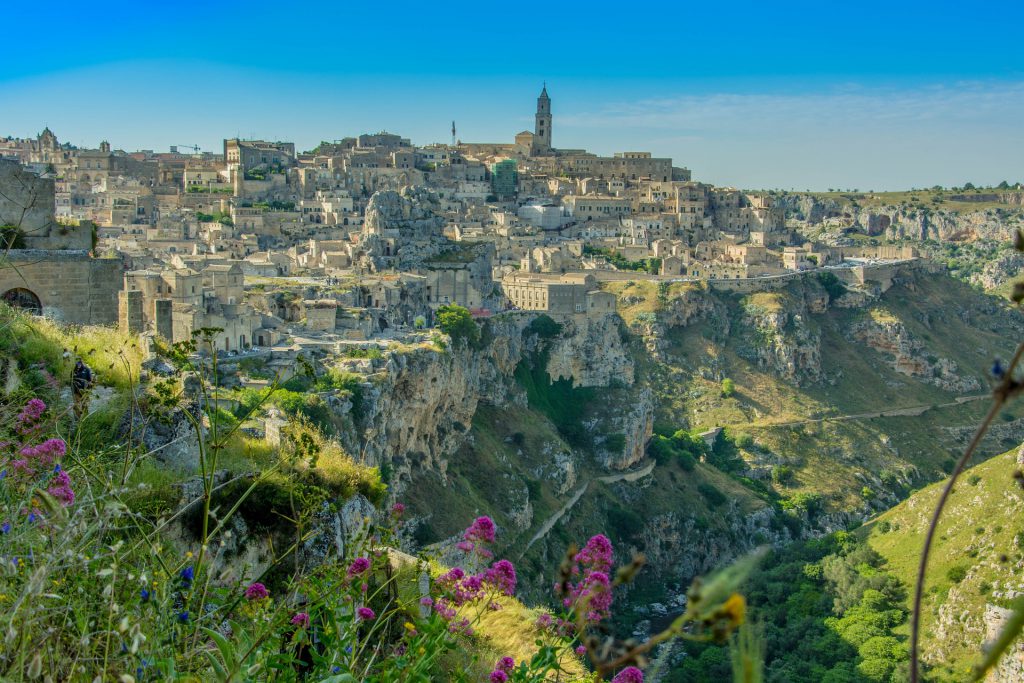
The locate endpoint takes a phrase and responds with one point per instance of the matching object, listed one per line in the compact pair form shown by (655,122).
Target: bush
(712,495)
(782,474)
(956,573)
(544,327)
(728,388)
(457,323)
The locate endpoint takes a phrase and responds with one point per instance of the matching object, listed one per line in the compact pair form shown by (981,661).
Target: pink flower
(426,601)
(505,664)
(60,488)
(502,575)
(630,674)
(498,676)
(256,591)
(365,614)
(358,566)
(580,650)
(482,530)
(465,546)
(301,620)
(397,509)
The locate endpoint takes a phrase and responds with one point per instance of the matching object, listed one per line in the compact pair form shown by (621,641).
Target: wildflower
(187,575)
(365,614)
(465,546)
(735,608)
(998,371)
(481,530)
(544,620)
(408,626)
(144,595)
(301,619)
(183,617)
(630,674)
(5,528)
(505,664)
(580,650)
(502,575)
(397,509)
(426,601)
(498,677)
(60,488)
(358,566)
(256,591)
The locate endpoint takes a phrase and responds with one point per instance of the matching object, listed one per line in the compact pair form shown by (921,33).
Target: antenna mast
(453,133)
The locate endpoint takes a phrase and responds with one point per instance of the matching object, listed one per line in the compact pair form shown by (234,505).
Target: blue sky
(866,95)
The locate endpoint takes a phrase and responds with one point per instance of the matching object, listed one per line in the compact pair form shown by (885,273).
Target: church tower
(543,127)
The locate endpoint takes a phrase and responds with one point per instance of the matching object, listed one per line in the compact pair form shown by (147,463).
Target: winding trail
(908,411)
(550,523)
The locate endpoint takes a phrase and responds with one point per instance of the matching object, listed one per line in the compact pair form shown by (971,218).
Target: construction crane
(194,148)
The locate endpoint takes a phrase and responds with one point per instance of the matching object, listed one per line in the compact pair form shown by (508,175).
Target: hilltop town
(366,237)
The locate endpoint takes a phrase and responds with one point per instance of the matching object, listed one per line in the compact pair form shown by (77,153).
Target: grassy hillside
(859,423)
(977,560)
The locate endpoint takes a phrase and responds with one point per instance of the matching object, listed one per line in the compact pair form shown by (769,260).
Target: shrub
(712,495)
(782,474)
(544,327)
(457,323)
(728,388)
(956,573)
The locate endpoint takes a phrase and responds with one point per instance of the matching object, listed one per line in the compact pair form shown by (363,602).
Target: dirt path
(909,411)
(550,523)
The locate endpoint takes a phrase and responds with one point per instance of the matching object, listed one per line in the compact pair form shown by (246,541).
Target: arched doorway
(23,299)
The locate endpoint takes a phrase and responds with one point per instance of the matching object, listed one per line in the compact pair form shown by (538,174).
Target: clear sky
(797,95)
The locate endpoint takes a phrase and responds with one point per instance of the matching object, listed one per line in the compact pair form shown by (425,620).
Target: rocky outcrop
(402,229)
(908,222)
(908,355)
(778,336)
(417,405)
(1006,266)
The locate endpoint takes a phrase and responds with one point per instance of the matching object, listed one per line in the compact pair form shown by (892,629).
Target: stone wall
(27,202)
(70,285)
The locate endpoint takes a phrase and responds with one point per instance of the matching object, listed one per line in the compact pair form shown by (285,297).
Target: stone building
(569,294)
(53,272)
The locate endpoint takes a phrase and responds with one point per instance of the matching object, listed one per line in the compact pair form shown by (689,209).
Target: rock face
(417,406)
(908,355)
(778,337)
(1006,266)
(402,229)
(904,222)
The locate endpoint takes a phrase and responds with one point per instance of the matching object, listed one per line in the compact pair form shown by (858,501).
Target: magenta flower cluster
(480,532)
(256,591)
(301,619)
(29,417)
(365,614)
(358,566)
(60,488)
(630,674)
(593,590)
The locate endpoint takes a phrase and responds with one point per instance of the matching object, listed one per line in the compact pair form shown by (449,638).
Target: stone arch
(24,299)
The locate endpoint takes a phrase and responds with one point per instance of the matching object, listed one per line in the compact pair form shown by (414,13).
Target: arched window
(23,299)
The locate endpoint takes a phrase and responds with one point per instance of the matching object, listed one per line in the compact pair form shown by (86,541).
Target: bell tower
(542,130)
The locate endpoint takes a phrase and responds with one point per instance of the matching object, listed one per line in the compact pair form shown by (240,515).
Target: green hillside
(977,559)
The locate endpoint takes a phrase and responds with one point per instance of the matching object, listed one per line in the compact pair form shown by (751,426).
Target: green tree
(728,387)
(457,323)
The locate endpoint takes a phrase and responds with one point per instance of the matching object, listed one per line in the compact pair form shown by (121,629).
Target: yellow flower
(409,627)
(735,608)
(189,554)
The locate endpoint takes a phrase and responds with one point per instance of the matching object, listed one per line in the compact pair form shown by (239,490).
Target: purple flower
(187,575)
(60,488)
(481,530)
(397,509)
(502,575)
(358,566)
(301,620)
(5,528)
(498,676)
(630,674)
(505,664)
(365,614)
(256,591)
(581,650)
